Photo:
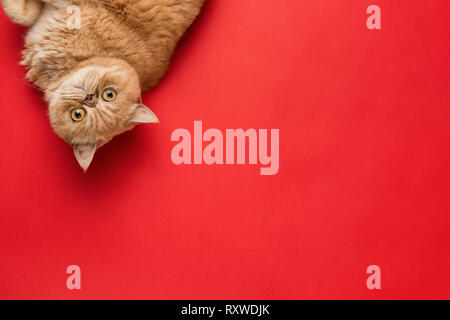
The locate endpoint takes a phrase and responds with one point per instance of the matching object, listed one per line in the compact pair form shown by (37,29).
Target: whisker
(30,85)
(70,94)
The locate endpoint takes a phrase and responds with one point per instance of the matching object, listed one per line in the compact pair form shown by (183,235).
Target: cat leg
(24,12)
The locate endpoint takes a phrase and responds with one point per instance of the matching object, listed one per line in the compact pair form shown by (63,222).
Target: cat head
(97,101)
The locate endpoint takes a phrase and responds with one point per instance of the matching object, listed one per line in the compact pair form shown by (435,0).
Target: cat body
(144,33)
(92,74)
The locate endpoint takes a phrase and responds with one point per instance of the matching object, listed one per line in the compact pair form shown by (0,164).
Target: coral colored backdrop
(364,165)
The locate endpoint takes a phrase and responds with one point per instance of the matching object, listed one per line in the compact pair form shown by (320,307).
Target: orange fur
(123,44)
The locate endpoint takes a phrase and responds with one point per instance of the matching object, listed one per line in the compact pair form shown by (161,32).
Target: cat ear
(84,154)
(142,114)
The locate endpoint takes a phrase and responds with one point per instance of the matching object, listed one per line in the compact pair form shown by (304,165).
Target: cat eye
(78,114)
(109,94)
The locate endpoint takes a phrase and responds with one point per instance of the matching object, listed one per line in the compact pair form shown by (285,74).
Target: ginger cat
(93,75)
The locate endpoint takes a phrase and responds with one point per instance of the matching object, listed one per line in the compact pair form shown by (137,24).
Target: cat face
(96,102)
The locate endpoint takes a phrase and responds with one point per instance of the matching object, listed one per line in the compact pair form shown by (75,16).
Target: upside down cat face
(97,101)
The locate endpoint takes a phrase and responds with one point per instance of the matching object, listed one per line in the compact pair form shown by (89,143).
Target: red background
(364,165)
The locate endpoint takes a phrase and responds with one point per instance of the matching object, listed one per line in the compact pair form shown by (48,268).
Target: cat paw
(24,12)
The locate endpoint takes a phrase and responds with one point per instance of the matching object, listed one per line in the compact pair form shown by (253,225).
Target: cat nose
(90,100)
